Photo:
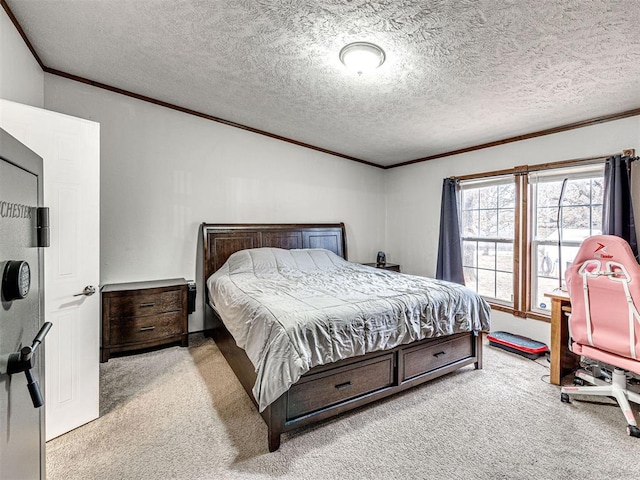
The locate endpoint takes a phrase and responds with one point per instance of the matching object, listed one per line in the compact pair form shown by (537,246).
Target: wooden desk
(563,361)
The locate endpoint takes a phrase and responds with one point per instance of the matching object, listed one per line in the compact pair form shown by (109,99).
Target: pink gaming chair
(604,325)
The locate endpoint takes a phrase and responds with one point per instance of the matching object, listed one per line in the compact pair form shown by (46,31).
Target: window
(567,206)
(521,230)
(487,229)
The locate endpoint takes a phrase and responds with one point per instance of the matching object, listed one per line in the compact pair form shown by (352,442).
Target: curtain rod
(524,169)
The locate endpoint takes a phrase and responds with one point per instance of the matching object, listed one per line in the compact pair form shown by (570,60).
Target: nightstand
(143,314)
(387,266)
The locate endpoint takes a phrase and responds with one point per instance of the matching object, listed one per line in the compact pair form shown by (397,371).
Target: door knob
(88,291)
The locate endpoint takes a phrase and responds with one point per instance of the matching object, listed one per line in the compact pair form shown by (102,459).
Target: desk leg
(563,361)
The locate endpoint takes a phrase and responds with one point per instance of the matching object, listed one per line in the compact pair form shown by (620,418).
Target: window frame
(523,231)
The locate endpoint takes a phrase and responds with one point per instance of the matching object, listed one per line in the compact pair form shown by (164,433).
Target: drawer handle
(342,386)
(148,304)
(146,329)
(438,354)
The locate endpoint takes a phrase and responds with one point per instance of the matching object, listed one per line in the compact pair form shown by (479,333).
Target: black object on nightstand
(193,291)
(143,314)
(387,266)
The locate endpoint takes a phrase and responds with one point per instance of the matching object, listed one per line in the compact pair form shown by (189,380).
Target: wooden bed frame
(327,390)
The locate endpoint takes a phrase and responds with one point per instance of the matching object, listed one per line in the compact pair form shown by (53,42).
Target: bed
(308,386)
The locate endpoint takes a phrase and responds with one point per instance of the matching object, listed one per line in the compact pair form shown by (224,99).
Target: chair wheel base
(565,399)
(633,431)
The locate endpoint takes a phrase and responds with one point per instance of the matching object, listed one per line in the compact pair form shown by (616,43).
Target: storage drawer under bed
(428,357)
(328,388)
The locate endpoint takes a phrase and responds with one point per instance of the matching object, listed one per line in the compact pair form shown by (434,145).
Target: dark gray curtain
(450,245)
(617,208)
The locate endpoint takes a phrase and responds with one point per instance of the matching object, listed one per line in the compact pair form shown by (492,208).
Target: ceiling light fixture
(362,57)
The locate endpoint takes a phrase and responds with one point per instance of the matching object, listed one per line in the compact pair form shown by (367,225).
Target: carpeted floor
(179,413)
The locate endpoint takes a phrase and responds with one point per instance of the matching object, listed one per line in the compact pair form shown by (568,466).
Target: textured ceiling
(458,73)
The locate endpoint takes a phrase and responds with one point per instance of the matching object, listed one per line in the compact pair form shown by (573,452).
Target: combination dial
(16,280)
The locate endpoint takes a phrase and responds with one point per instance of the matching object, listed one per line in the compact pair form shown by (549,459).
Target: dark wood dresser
(143,314)
(394,267)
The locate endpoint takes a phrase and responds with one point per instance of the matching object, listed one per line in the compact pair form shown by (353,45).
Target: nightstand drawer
(125,330)
(138,304)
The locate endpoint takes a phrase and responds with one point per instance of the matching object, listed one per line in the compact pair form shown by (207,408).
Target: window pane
(488,197)
(471,278)
(506,220)
(504,286)
(506,196)
(577,192)
(568,256)
(470,199)
(469,253)
(597,189)
(486,283)
(469,221)
(576,221)
(548,194)
(504,257)
(545,285)
(546,261)
(488,223)
(596,220)
(486,255)
(546,222)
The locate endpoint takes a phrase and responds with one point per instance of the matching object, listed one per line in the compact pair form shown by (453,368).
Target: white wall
(21,78)
(414,195)
(163,173)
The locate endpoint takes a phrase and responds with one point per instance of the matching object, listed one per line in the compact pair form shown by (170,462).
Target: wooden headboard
(221,240)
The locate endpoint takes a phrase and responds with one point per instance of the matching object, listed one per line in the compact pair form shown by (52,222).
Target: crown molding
(540,133)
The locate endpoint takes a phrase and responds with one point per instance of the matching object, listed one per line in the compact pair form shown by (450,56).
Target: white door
(70,148)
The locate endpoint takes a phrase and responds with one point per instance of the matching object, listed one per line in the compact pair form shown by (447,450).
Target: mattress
(292,310)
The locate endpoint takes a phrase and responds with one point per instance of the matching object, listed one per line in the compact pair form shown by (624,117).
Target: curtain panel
(617,206)
(449,265)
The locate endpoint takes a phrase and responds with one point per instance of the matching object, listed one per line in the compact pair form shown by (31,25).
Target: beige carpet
(179,413)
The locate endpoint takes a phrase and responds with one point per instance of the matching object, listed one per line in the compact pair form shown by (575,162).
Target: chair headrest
(604,248)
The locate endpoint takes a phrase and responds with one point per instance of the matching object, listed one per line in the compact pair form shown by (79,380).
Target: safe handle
(34,390)
(39,338)
(22,361)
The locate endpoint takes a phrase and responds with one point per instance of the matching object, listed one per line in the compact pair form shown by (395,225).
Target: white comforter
(291,310)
